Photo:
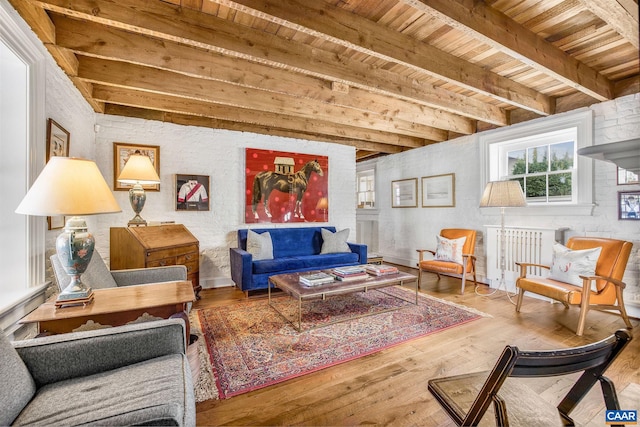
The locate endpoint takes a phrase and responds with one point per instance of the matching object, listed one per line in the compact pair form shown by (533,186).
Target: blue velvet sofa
(294,250)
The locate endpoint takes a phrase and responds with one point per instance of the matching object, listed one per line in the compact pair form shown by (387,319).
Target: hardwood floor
(390,387)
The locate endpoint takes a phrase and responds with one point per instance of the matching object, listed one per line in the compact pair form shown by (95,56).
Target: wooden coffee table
(116,306)
(290,284)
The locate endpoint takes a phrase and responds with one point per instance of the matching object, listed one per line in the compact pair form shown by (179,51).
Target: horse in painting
(296,183)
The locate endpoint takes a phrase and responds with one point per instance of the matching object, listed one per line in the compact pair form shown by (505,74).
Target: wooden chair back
(593,359)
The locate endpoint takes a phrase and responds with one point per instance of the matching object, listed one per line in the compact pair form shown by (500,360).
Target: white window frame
(366,173)
(492,144)
(16,35)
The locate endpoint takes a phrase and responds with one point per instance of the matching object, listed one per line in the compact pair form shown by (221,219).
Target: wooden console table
(156,246)
(116,306)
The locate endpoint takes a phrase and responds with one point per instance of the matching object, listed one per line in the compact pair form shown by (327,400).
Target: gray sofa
(136,374)
(98,275)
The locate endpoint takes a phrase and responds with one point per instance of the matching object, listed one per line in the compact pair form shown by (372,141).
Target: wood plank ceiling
(383,76)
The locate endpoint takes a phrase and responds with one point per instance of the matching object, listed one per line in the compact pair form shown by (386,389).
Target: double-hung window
(22,126)
(366,192)
(542,157)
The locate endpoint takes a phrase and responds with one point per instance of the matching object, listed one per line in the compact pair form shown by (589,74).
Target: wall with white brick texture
(402,231)
(186,150)
(219,154)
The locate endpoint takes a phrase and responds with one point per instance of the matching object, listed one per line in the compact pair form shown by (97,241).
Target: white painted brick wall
(219,154)
(187,150)
(402,231)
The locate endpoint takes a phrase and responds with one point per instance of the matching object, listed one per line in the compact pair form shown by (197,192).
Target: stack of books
(380,269)
(316,279)
(345,274)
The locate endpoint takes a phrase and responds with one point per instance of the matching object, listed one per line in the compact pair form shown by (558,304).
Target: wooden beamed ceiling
(382,76)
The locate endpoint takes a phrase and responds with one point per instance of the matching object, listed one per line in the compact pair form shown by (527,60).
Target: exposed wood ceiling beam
(501,32)
(188,120)
(133,76)
(112,43)
(184,26)
(621,15)
(360,34)
(153,101)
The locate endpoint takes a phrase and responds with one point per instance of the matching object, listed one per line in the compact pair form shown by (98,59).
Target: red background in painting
(281,204)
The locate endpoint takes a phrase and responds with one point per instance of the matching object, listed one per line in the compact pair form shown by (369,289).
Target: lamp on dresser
(71,187)
(138,171)
(502,194)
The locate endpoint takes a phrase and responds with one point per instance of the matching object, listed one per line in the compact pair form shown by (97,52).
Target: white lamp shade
(503,194)
(139,170)
(69,186)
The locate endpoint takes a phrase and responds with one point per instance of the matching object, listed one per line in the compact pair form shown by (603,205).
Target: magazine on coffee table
(316,279)
(381,269)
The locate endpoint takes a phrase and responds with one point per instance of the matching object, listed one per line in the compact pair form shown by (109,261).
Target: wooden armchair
(468,265)
(608,280)
(466,398)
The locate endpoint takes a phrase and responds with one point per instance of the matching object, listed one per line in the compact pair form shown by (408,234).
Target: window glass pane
(536,188)
(560,187)
(562,156)
(516,162)
(537,159)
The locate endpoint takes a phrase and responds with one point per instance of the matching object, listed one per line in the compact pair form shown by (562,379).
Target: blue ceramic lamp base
(74,247)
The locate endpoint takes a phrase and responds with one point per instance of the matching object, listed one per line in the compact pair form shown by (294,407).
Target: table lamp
(73,187)
(323,205)
(502,194)
(138,171)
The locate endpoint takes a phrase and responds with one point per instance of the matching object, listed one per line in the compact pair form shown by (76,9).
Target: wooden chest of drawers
(156,246)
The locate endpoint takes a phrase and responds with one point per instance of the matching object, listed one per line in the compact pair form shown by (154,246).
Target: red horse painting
(297,181)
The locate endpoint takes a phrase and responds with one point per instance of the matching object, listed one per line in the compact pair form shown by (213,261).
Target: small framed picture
(121,153)
(55,222)
(192,192)
(629,205)
(439,191)
(57,140)
(404,193)
(57,145)
(626,177)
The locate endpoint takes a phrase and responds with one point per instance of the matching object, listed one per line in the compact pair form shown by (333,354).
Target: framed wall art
(629,205)
(404,193)
(282,187)
(439,191)
(57,140)
(57,145)
(626,177)
(192,193)
(121,153)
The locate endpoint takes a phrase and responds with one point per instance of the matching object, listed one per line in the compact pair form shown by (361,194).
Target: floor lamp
(502,194)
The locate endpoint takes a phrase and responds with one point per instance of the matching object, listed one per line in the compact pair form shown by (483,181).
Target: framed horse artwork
(285,187)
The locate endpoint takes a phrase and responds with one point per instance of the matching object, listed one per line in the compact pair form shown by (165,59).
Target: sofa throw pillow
(450,249)
(334,242)
(567,265)
(259,245)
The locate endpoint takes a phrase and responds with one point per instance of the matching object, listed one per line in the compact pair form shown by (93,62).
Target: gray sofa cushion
(18,386)
(153,392)
(97,275)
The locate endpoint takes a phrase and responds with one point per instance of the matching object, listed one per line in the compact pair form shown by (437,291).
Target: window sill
(20,303)
(532,210)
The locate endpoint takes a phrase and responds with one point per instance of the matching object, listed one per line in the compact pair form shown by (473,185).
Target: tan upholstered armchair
(608,280)
(437,266)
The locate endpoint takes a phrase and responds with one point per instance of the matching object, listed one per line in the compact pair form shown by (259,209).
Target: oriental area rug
(248,345)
